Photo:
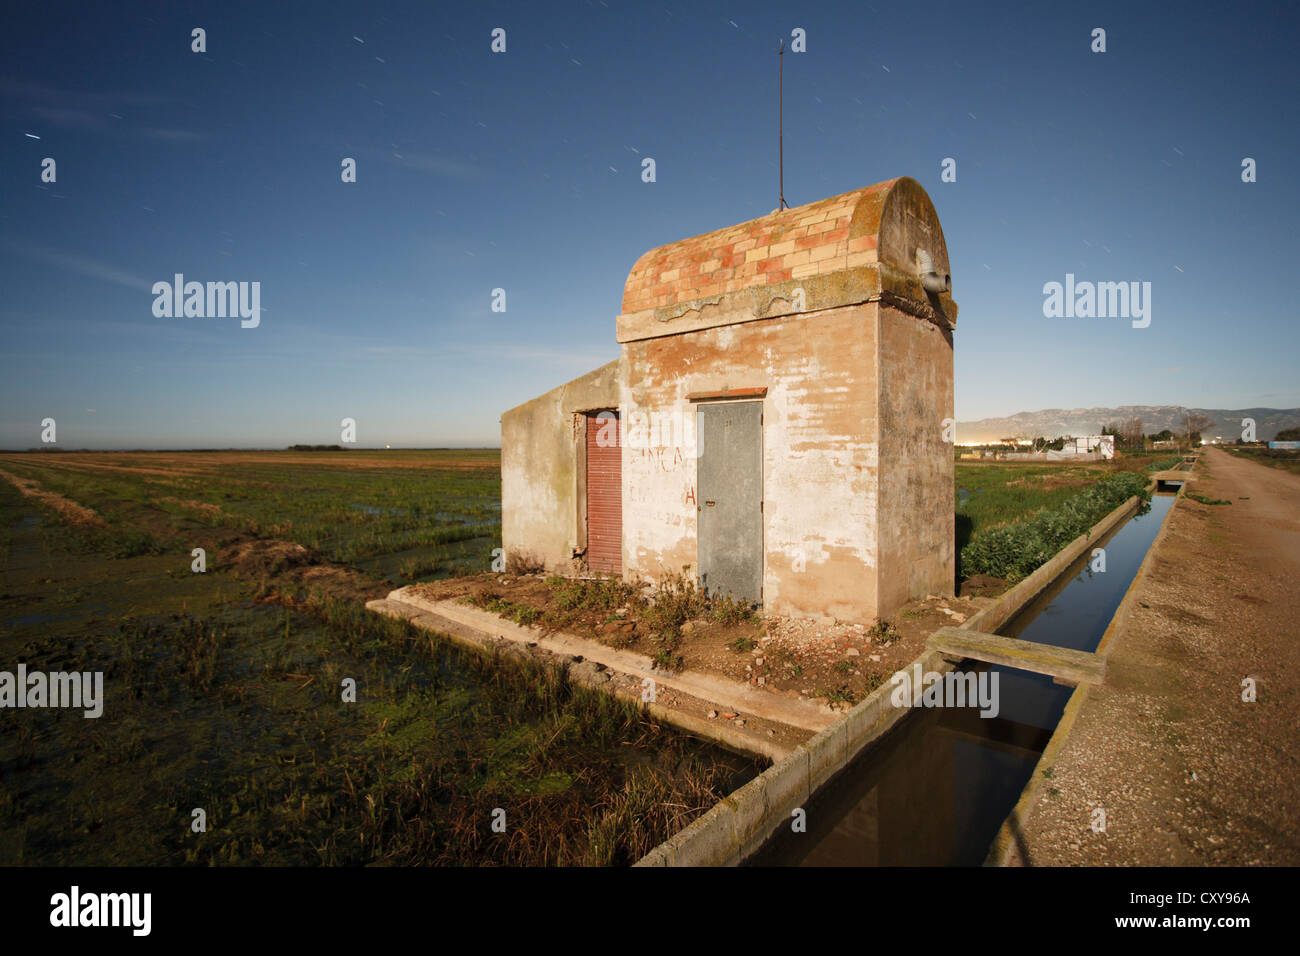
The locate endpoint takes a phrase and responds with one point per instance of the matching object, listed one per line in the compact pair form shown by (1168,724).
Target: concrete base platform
(682,699)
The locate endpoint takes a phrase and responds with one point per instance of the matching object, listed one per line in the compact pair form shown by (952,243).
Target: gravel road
(1186,771)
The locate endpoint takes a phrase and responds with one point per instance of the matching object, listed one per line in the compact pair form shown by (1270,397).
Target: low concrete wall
(486,633)
(739,825)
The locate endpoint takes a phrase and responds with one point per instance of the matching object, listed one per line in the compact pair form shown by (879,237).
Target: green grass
(219,698)
(1013,551)
(992,497)
(997,494)
(400,524)
(599,594)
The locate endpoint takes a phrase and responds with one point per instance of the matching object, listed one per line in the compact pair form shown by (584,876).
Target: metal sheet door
(604,493)
(730,498)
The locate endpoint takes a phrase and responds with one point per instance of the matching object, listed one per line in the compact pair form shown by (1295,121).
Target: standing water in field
(935,789)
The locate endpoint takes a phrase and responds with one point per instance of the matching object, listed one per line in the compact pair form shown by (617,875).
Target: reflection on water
(933,792)
(936,789)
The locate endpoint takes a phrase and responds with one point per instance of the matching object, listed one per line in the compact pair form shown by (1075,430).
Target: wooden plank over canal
(1066,665)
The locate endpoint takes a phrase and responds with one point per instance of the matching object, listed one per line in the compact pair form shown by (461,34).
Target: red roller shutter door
(605,495)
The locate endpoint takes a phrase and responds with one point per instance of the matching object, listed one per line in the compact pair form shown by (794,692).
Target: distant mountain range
(1055,422)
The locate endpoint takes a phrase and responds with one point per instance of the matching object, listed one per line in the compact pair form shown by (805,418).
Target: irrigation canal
(935,789)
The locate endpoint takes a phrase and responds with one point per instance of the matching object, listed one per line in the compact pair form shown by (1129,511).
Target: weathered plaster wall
(819,454)
(543,465)
(916,545)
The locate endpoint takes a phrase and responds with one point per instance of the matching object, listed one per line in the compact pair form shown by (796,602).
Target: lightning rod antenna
(780,110)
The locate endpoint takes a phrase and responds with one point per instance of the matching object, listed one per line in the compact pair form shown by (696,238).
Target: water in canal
(935,789)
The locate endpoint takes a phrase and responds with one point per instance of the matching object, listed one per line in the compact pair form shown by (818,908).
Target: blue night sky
(522,171)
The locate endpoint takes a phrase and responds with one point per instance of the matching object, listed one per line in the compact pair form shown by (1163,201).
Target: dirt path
(1186,772)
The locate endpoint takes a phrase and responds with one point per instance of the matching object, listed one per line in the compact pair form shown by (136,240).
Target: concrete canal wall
(739,825)
(1005,842)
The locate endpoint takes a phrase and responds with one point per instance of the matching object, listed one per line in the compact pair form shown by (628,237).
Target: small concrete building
(1103,445)
(779,424)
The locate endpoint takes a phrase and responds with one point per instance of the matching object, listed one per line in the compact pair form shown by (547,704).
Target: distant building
(1089,447)
(1104,445)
